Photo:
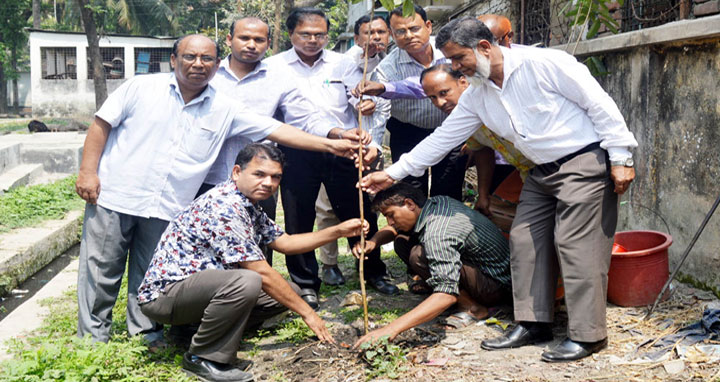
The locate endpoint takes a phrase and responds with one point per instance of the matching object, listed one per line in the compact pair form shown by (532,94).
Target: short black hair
(396,195)
(465,31)
(366,19)
(262,150)
(399,13)
(456,74)
(232,26)
(297,15)
(218,52)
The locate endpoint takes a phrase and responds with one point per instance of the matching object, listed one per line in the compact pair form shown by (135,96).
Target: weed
(25,206)
(380,316)
(384,358)
(295,331)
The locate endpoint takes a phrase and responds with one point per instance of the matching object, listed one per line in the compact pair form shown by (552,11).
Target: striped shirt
(453,234)
(397,66)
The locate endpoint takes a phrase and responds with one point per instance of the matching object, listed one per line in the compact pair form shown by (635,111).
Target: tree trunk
(3,91)
(277,26)
(16,93)
(94,50)
(36,16)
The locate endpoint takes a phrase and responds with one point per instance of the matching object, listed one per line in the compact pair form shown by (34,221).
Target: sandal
(460,320)
(417,285)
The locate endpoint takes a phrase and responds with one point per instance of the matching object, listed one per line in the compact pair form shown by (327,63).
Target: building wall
(76,97)
(509,9)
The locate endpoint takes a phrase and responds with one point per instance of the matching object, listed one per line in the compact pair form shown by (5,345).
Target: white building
(61,74)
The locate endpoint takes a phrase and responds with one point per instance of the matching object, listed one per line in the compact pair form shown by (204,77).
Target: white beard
(482,70)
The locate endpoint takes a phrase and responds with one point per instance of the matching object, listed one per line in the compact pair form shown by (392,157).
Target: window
(152,60)
(113,60)
(59,63)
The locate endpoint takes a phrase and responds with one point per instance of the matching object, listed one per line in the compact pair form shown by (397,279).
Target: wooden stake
(360,176)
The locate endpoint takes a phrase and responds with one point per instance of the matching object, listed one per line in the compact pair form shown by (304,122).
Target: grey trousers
(110,240)
(224,302)
(572,212)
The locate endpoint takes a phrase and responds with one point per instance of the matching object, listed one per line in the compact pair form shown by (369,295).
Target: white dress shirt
(160,149)
(374,123)
(549,106)
(266,92)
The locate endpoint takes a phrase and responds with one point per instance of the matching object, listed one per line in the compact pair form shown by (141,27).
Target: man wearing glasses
(327,78)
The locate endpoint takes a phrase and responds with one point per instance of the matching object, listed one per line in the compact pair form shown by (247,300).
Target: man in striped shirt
(461,255)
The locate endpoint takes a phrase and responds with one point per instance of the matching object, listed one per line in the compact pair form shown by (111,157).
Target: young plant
(384,358)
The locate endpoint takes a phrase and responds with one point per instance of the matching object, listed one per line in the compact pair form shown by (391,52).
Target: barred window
(152,60)
(59,63)
(113,61)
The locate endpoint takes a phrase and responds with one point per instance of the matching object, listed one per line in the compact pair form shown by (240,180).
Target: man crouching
(209,266)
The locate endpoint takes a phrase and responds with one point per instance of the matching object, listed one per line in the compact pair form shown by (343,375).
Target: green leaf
(594,28)
(389,5)
(370,354)
(408,8)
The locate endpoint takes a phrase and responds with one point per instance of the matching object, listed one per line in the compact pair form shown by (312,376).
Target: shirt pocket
(200,141)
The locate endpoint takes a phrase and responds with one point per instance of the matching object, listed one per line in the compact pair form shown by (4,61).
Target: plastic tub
(638,274)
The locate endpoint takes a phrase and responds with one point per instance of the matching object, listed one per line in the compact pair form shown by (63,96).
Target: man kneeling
(209,266)
(461,255)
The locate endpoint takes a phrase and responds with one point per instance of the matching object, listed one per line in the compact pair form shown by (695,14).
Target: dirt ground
(459,357)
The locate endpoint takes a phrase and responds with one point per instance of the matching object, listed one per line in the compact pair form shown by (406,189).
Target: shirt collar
(225,69)
(293,57)
(404,57)
(511,62)
(420,223)
(208,93)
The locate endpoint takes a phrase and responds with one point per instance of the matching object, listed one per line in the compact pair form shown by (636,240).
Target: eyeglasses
(403,32)
(191,58)
(309,36)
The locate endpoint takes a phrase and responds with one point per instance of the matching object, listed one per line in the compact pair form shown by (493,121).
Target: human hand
(375,335)
(317,325)
(87,186)
(366,107)
(482,205)
(622,176)
(357,135)
(369,247)
(352,227)
(343,148)
(370,88)
(376,182)
(370,154)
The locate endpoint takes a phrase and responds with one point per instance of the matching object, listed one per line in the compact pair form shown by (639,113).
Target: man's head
(195,59)
(401,204)
(411,34)
(470,46)
(443,86)
(379,34)
(258,171)
(308,28)
(248,40)
(500,27)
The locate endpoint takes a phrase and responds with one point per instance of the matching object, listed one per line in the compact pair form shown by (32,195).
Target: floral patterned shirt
(219,230)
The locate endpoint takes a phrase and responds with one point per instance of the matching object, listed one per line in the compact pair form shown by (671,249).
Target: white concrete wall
(76,98)
(24,90)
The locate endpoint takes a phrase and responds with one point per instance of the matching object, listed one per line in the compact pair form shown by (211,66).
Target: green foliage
(384,358)
(295,331)
(380,316)
(594,13)
(25,206)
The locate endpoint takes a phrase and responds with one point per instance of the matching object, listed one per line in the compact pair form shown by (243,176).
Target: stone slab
(20,175)
(9,155)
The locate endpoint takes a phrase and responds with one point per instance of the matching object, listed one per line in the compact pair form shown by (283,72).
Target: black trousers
(447,176)
(304,172)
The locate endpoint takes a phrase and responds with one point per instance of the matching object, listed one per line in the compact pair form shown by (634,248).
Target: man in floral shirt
(209,266)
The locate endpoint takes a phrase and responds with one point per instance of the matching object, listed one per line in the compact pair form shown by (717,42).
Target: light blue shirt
(160,149)
(270,93)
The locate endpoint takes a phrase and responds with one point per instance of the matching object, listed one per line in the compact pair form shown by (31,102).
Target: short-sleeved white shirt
(160,149)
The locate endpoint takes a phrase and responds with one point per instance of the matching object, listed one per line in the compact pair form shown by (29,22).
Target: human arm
(485,165)
(88,183)
(622,176)
(304,242)
(430,308)
(292,137)
(278,288)
(408,88)
(383,236)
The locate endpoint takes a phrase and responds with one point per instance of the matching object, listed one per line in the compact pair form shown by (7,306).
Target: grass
(27,206)
(6,128)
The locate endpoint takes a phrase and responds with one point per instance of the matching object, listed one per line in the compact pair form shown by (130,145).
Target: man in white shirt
(553,111)
(327,77)
(149,148)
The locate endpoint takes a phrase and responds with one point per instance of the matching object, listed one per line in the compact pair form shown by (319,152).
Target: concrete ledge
(26,250)
(21,175)
(9,156)
(678,31)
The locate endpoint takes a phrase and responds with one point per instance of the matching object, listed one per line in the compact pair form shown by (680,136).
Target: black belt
(553,166)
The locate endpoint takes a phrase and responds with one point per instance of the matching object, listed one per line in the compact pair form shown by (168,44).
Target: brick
(707,8)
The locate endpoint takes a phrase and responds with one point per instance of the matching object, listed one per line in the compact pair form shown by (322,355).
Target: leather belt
(553,166)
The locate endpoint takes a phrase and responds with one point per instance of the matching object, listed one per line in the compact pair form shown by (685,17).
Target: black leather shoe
(382,286)
(332,275)
(211,371)
(310,296)
(526,333)
(570,350)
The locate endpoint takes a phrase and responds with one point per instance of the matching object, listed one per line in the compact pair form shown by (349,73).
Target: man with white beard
(553,111)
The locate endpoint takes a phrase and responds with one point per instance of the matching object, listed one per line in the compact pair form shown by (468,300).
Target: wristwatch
(627,162)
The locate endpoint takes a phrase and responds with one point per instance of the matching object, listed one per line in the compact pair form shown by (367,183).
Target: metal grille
(58,63)
(640,14)
(537,22)
(113,60)
(152,60)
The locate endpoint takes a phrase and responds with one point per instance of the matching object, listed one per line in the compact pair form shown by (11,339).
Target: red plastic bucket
(638,274)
